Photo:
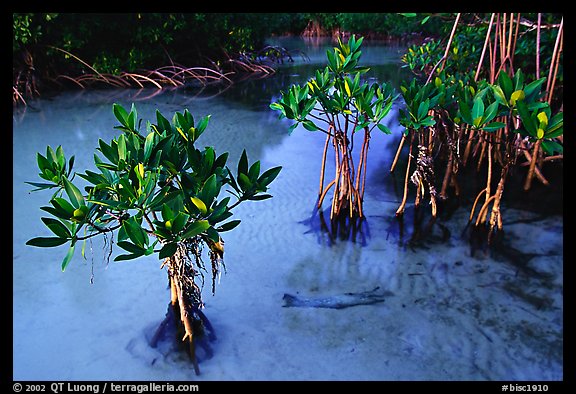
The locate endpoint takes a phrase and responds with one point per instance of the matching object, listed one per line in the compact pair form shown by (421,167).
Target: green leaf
(63,207)
(213,234)
(40,186)
(309,125)
(555,133)
(195,228)
(210,190)
(259,197)
(162,122)
(50,155)
(384,129)
(114,204)
(61,159)
(527,120)
(130,247)
(423,109)
(148,146)
(132,117)
(555,126)
(168,250)
(276,107)
(493,126)
(120,114)
(465,111)
(73,193)
(291,128)
(130,256)
(428,121)
(221,160)
(505,83)
(244,182)
(254,171)
(268,176)
(243,163)
(199,204)
(179,222)
(68,257)
(57,227)
(135,232)
(228,226)
(477,110)
(490,112)
(551,147)
(533,88)
(46,242)
(43,163)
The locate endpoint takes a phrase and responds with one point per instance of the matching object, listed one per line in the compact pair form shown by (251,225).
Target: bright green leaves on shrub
(420,100)
(249,184)
(53,168)
(127,120)
(344,58)
(482,113)
(509,91)
(539,124)
(337,90)
(296,104)
(153,187)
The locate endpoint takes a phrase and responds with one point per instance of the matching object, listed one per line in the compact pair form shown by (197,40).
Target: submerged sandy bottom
(453,315)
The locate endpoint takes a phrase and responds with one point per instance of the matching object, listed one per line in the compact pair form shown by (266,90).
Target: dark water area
(450,308)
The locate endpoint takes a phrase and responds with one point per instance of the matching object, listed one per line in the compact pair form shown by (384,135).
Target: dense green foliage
(129,41)
(153,183)
(158,194)
(114,42)
(339,104)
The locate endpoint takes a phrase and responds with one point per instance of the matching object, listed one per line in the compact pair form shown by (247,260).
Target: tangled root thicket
(184,268)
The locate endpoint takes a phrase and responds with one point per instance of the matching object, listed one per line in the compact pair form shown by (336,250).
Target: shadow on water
(329,231)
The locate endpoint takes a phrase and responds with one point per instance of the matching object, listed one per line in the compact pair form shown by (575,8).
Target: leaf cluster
(153,186)
(337,91)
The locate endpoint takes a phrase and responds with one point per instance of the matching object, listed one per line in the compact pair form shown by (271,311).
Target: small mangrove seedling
(158,194)
(336,103)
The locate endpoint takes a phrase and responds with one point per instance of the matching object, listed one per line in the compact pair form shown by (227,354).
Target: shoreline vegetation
(260,64)
(54,52)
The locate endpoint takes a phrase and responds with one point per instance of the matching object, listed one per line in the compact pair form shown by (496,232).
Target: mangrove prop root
(320,192)
(475,203)
(537,172)
(468,147)
(533,160)
(400,145)
(423,176)
(400,209)
(488,181)
(185,295)
(447,177)
(347,194)
(483,210)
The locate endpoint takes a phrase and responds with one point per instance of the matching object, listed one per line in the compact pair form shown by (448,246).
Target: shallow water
(456,313)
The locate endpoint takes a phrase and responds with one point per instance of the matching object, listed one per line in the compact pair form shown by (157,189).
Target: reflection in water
(330,231)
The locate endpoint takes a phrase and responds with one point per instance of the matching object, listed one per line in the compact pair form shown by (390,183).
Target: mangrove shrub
(157,193)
